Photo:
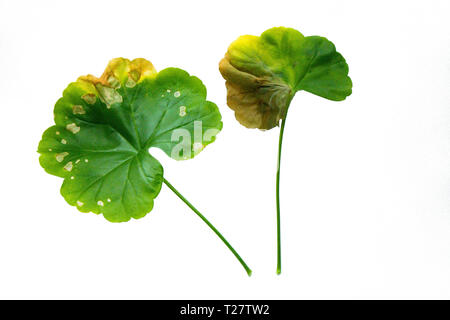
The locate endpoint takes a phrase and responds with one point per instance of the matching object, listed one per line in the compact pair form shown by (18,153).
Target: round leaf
(264,73)
(105,126)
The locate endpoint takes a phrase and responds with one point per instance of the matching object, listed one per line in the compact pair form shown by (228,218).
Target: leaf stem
(280,143)
(247,269)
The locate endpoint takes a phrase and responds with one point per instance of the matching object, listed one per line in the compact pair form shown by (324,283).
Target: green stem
(247,269)
(280,143)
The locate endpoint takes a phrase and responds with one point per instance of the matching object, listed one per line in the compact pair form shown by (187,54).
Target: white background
(365,182)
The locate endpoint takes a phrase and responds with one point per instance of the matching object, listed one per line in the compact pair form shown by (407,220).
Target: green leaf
(264,73)
(105,126)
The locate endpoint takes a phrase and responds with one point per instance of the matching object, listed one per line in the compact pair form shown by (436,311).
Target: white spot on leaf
(77,109)
(72,127)
(90,98)
(182,111)
(100,203)
(176,94)
(130,83)
(114,82)
(86,160)
(109,199)
(60,156)
(64,141)
(79,203)
(108,95)
(68,166)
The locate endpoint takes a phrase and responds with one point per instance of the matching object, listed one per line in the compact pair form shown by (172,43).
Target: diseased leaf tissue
(264,73)
(105,126)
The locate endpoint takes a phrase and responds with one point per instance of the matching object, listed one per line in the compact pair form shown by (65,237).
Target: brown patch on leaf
(258,102)
(119,70)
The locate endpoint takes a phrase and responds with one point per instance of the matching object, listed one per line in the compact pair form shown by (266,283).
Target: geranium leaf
(264,73)
(105,126)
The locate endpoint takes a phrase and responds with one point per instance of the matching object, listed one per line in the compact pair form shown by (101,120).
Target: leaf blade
(103,129)
(263,74)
